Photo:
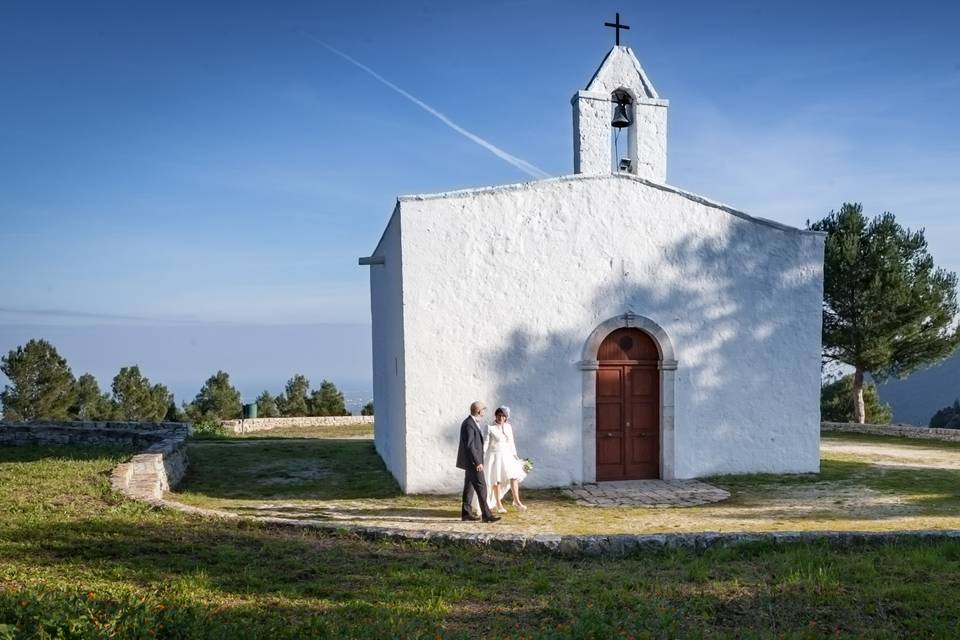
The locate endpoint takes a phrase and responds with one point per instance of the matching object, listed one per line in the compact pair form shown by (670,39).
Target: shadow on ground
(309,468)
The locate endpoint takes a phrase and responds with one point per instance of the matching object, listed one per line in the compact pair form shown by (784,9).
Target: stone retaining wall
(265,424)
(159,466)
(902,430)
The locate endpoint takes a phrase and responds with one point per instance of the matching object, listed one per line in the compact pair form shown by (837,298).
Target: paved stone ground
(646,493)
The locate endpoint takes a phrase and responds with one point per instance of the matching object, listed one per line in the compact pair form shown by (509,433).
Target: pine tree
(267,406)
(217,400)
(327,401)
(42,385)
(367,409)
(887,309)
(135,399)
(90,403)
(294,402)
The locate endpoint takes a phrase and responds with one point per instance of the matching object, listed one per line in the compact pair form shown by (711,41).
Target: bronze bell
(620,117)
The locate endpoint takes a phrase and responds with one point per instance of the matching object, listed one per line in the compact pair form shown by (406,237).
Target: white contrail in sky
(523,165)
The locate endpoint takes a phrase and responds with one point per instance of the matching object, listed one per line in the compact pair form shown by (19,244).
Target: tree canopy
(41,383)
(295,400)
(217,400)
(887,309)
(947,418)
(367,409)
(267,406)
(135,399)
(89,402)
(327,401)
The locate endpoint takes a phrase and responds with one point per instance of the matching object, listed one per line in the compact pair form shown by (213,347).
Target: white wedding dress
(500,460)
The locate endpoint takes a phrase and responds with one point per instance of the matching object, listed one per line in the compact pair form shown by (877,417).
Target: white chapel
(636,330)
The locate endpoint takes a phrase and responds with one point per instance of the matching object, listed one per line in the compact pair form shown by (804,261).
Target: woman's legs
(515,489)
(496,494)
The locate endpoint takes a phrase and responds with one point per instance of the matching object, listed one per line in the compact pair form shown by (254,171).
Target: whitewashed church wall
(386,302)
(503,286)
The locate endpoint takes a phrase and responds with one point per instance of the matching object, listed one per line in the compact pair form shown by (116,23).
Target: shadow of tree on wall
(726,306)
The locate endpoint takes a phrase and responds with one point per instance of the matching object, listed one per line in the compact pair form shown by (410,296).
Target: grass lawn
(866,483)
(77,561)
(333,431)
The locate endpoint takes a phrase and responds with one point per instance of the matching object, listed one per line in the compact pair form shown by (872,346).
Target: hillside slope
(917,398)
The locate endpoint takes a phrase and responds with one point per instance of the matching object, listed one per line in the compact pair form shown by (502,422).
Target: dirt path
(896,455)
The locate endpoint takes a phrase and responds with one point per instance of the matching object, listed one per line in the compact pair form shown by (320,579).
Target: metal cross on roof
(616,25)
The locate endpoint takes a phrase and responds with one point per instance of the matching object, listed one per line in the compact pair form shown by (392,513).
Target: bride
(501,464)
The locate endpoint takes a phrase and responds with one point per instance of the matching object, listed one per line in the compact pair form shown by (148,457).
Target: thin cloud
(91,315)
(519,163)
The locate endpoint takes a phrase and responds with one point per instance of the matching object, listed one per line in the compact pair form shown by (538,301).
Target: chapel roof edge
(421,197)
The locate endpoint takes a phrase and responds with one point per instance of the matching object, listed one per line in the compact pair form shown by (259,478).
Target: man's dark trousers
(474,482)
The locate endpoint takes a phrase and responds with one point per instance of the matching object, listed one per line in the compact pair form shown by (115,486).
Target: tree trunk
(859,410)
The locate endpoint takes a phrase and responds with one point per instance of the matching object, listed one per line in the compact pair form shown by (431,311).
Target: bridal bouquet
(527,465)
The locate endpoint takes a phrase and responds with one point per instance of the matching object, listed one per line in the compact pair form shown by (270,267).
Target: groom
(470,459)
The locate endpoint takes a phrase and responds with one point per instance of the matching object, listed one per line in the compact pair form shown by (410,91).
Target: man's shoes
(492,519)
(471,518)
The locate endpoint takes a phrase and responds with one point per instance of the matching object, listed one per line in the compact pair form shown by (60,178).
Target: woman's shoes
(520,507)
(501,509)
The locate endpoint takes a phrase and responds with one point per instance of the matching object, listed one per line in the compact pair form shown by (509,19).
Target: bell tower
(619,121)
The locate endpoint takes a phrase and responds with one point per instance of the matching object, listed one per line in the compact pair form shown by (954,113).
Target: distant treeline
(42,387)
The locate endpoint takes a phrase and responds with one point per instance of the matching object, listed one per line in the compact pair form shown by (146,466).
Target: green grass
(287,468)
(77,561)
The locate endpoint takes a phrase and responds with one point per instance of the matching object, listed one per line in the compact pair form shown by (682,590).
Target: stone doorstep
(647,493)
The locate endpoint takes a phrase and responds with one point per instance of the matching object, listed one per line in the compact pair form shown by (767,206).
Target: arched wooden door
(628,407)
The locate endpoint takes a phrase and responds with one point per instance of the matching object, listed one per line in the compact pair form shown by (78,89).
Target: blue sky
(172,167)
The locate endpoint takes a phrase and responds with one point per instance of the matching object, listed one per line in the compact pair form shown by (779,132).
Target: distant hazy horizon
(182,357)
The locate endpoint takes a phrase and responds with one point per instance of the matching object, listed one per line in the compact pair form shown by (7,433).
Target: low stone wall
(901,430)
(160,465)
(265,424)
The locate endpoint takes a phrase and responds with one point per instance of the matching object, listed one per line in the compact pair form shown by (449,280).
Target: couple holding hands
(491,464)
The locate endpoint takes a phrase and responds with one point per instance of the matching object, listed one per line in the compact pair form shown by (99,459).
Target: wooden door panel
(610,418)
(644,417)
(643,382)
(610,450)
(644,450)
(610,384)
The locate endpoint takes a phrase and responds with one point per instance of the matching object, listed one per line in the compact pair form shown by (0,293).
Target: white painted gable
(621,69)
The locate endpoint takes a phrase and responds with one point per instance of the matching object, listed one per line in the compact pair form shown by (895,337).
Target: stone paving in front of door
(646,493)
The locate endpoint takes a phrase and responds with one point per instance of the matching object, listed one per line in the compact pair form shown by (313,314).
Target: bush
(947,418)
(209,429)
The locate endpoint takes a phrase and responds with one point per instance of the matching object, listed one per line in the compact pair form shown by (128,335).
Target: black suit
(469,455)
